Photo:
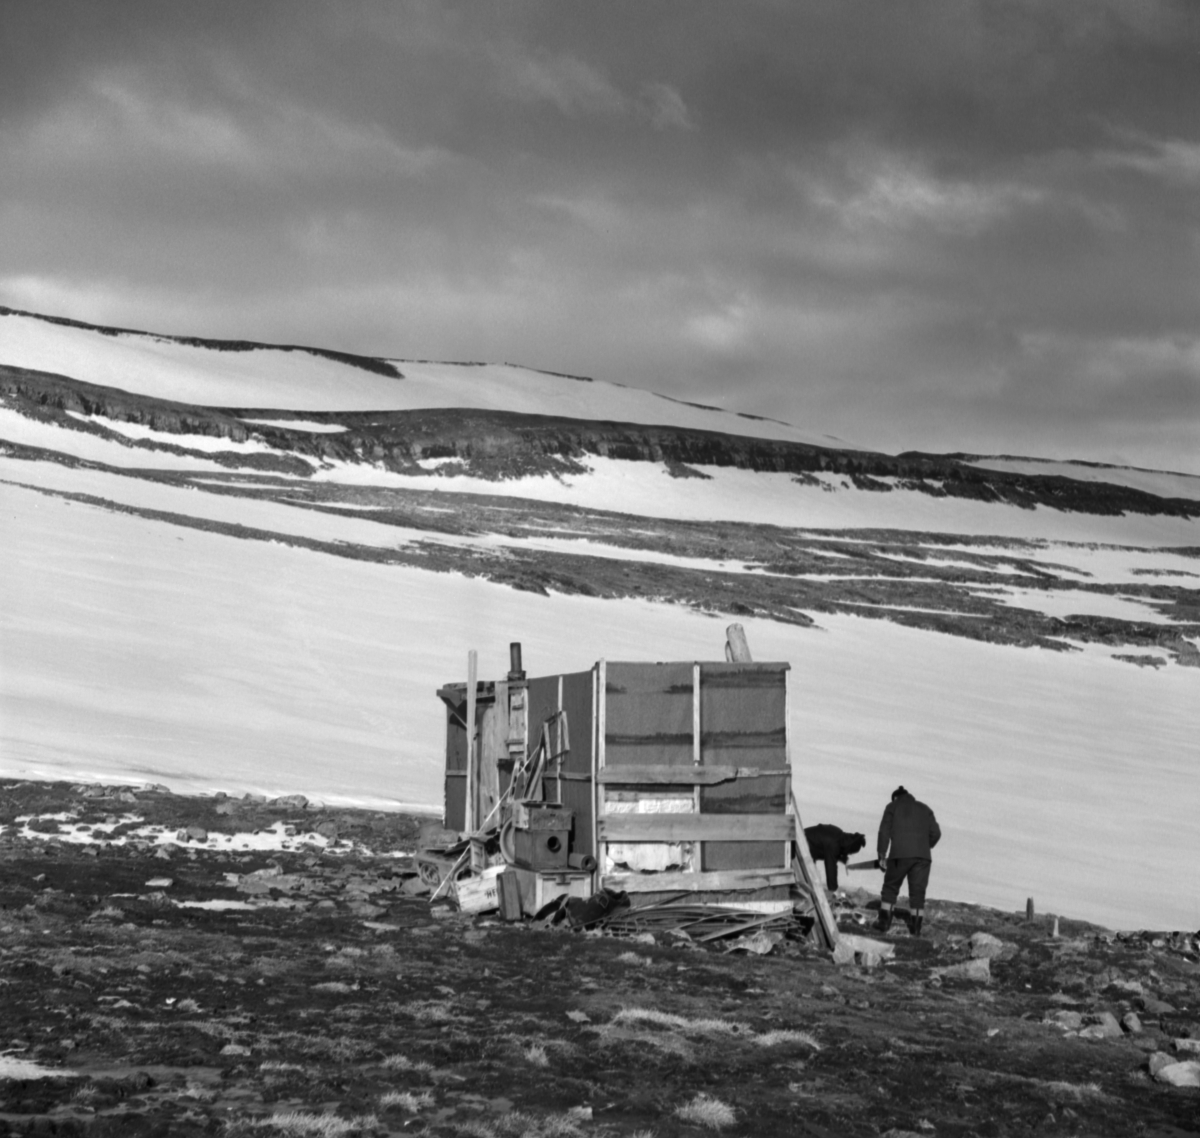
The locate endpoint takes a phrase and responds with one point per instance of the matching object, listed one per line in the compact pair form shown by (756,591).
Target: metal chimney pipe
(515,672)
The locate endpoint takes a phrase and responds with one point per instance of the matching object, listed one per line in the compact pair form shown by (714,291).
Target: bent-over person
(908,832)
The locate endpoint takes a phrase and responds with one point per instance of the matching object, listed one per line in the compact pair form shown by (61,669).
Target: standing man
(907,834)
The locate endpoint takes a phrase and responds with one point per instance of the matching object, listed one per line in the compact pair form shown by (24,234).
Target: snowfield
(135,649)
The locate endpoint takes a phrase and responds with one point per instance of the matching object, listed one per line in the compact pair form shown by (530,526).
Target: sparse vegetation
(473,1027)
(706,1111)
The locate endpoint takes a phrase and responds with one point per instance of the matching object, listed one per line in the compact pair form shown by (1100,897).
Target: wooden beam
(697,847)
(806,875)
(657,774)
(472,779)
(695,827)
(737,648)
(713,882)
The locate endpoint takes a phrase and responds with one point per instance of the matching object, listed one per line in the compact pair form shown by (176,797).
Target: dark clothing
(909,828)
(916,869)
(908,832)
(831,844)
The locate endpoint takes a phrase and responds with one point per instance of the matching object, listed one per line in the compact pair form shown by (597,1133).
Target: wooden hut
(677,775)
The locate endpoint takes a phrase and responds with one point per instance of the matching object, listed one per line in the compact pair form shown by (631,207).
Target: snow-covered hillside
(182,371)
(175,613)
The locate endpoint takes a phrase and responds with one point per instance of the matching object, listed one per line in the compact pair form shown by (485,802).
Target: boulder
(1186,1074)
(290,802)
(1131,1023)
(977,971)
(1103,1025)
(984,946)
(1188,1046)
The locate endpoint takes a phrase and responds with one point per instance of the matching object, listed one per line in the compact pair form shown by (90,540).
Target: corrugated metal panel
(577,703)
(743,722)
(648,714)
(456,775)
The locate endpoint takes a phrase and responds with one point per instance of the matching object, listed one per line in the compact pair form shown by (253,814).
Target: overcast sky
(941,226)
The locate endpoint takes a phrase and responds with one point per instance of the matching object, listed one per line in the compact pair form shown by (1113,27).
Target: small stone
(290,801)
(1158,1061)
(1153,1006)
(1067,1020)
(1131,1023)
(977,971)
(234,1049)
(162,854)
(228,807)
(328,830)
(1188,1046)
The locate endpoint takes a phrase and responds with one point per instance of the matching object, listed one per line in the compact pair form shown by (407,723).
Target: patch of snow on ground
(17,428)
(299,425)
(1063,603)
(1161,483)
(14,1067)
(646,489)
(191,442)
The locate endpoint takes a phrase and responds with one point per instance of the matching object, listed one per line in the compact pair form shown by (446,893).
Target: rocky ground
(155,978)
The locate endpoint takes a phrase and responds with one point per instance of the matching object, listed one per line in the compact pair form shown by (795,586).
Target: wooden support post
(697,847)
(469,813)
(1029,909)
(599,713)
(806,874)
(737,648)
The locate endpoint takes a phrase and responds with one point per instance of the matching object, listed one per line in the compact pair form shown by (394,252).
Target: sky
(954,226)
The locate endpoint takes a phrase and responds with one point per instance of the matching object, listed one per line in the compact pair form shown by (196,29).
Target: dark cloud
(966,226)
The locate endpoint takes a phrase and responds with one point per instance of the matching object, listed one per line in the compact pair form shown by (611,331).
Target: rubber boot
(914,924)
(885,920)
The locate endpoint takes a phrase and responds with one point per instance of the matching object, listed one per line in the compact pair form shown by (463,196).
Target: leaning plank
(696,827)
(806,876)
(730,879)
(659,774)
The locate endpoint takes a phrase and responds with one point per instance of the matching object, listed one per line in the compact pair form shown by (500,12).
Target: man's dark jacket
(909,827)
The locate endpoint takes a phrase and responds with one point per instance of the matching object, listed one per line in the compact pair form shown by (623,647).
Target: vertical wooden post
(598,765)
(697,847)
(470,814)
(787,762)
(1029,909)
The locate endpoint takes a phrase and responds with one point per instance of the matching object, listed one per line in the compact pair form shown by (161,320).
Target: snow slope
(300,381)
(133,650)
